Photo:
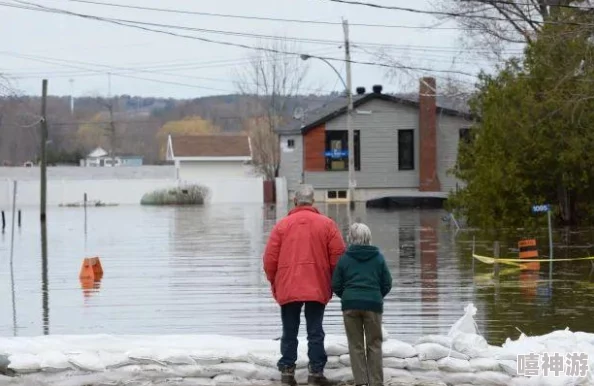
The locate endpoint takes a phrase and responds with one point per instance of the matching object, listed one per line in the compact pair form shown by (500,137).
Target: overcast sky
(37,45)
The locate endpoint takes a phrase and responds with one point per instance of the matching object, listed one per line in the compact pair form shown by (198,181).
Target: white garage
(207,157)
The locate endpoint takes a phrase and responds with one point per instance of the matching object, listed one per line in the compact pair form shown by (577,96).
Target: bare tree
(498,23)
(273,76)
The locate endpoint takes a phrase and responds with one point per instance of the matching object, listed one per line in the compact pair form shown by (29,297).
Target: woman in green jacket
(361,280)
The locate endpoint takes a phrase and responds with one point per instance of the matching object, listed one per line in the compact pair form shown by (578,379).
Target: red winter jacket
(301,255)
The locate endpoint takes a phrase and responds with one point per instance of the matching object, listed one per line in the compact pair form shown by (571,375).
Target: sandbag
(336,347)
(509,367)
(434,351)
(446,341)
(345,360)
(491,378)
(394,363)
(454,365)
(144,356)
(397,374)
(334,363)
(230,380)
(24,363)
(54,362)
(458,378)
(416,364)
(339,375)
(87,362)
(114,360)
(270,359)
(470,344)
(246,370)
(4,362)
(206,357)
(397,349)
(484,364)
(175,357)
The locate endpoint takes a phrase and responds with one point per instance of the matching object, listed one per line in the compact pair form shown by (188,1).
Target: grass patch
(185,195)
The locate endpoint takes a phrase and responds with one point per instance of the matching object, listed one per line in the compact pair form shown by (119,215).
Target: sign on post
(336,153)
(541,208)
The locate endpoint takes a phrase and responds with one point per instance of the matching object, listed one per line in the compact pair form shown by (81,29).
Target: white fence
(124,191)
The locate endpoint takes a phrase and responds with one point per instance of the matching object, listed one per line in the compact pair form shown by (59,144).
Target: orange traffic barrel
(529,250)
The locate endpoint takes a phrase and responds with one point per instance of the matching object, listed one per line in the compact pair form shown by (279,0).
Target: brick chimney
(428,179)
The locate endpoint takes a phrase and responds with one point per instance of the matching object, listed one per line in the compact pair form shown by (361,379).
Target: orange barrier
(91,269)
(90,275)
(529,250)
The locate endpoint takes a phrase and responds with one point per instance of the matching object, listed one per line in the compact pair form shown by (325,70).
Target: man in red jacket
(299,260)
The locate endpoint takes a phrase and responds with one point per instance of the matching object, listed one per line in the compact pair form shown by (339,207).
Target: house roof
(336,107)
(222,145)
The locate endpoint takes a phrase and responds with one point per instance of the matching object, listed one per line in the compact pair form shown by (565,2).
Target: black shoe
(288,376)
(319,380)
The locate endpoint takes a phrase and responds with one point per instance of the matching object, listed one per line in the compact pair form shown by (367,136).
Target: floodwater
(198,270)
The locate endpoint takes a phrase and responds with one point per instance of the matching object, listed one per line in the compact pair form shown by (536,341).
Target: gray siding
(379,148)
(448,136)
(291,160)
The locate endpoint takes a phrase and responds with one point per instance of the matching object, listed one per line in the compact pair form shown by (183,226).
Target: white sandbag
(24,363)
(454,365)
(345,360)
(509,367)
(344,374)
(246,370)
(87,361)
(458,378)
(416,364)
(584,337)
(397,349)
(334,363)
(470,344)
(394,363)
(336,346)
(193,371)
(484,364)
(466,323)
(398,375)
(491,378)
(434,351)
(114,360)
(230,380)
(144,356)
(54,362)
(446,341)
(206,357)
(511,349)
(175,357)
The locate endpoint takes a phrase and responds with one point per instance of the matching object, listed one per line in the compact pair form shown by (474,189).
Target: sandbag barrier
(460,358)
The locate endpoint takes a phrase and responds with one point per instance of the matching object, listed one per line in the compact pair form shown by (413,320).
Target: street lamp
(351,135)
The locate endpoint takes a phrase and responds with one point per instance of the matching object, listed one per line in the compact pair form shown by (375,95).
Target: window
(406,150)
(336,153)
(336,194)
(465,135)
(290,143)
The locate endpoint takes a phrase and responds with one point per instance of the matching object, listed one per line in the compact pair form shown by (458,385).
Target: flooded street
(199,271)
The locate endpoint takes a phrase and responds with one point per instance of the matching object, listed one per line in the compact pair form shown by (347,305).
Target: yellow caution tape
(493,260)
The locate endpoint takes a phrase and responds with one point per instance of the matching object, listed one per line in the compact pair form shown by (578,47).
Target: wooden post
(3,222)
(19,218)
(43,161)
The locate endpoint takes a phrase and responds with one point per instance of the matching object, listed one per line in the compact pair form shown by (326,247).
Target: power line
(258,18)
(271,37)
(231,44)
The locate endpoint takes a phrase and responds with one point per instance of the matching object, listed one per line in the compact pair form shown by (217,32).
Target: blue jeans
(291,318)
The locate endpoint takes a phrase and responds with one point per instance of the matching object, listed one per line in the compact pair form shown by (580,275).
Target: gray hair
(359,234)
(304,195)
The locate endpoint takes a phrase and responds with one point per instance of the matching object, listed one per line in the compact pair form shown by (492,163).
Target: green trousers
(364,328)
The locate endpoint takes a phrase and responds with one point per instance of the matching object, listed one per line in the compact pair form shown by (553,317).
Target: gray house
(404,146)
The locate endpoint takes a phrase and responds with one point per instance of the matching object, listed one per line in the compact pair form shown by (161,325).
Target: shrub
(184,195)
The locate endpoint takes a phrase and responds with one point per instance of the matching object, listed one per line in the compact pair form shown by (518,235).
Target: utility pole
(43,161)
(351,135)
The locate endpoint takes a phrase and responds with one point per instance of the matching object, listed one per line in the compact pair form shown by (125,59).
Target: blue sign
(541,208)
(336,153)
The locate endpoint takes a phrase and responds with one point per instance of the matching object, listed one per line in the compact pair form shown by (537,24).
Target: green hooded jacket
(362,279)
